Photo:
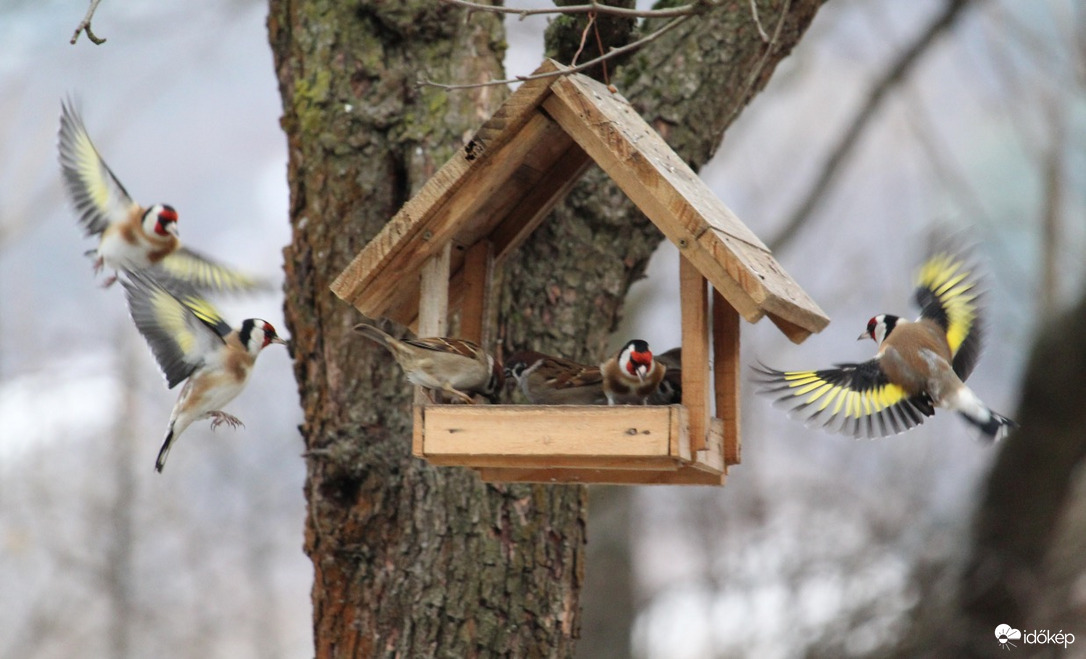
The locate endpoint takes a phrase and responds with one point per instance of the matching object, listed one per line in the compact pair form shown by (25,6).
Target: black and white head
(879,327)
(160,220)
(635,359)
(256,334)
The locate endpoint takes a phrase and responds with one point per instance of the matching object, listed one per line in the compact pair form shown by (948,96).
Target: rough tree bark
(412,560)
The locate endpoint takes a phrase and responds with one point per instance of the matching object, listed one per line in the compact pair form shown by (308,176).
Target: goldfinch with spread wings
(920,365)
(132,236)
(192,343)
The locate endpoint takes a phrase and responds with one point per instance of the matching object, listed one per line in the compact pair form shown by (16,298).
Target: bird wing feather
(854,399)
(181,328)
(947,293)
(98,196)
(190,268)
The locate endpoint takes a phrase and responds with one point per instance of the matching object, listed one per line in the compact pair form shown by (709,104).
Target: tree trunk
(412,560)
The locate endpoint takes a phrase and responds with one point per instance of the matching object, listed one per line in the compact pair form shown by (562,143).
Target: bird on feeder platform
(131,236)
(192,343)
(920,365)
(631,376)
(548,380)
(456,367)
(671,387)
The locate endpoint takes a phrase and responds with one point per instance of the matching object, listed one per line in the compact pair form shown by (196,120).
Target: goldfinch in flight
(920,365)
(192,342)
(131,236)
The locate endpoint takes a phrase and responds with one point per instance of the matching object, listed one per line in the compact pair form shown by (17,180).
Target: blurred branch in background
(85,25)
(894,74)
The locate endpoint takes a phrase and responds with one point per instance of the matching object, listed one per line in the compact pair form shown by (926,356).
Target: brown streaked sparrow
(131,236)
(192,342)
(548,380)
(440,364)
(631,376)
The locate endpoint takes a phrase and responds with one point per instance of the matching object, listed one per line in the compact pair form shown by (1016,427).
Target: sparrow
(919,365)
(454,366)
(131,236)
(631,376)
(549,380)
(192,343)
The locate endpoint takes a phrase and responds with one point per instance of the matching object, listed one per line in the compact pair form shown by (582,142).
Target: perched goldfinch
(192,342)
(453,366)
(920,365)
(632,376)
(131,236)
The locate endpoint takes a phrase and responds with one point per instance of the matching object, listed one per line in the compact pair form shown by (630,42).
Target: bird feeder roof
(523,161)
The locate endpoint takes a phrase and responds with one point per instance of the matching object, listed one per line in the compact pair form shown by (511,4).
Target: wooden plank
(476,287)
(534,207)
(677,201)
(427,222)
(537,430)
(595,462)
(681,476)
(418,422)
(353,284)
(711,458)
(773,290)
(694,302)
(726,367)
(434,295)
(433,305)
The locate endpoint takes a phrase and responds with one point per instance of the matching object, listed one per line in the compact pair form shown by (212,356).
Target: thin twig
(757,71)
(85,26)
(684,10)
(584,37)
(758,21)
(614,52)
(599,47)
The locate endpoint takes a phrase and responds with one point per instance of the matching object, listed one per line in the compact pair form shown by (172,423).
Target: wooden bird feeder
(437,253)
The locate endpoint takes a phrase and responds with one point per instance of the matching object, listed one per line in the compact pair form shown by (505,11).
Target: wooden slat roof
(523,160)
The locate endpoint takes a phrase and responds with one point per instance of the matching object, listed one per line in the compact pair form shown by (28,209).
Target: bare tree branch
(85,26)
(614,52)
(893,76)
(757,71)
(591,7)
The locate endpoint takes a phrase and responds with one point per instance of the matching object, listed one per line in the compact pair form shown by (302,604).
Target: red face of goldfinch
(636,358)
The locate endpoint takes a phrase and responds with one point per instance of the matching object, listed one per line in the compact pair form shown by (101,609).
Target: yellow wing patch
(854,399)
(170,315)
(196,270)
(946,277)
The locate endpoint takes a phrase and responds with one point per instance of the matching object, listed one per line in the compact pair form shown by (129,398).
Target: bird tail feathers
(373,333)
(993,425)
(160,461)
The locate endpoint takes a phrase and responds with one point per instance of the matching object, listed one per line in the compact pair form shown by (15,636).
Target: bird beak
(279,340)
(863,336)
(642,371)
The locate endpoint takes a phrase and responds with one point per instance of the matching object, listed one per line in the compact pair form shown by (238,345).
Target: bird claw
(112,279)
(218,418)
